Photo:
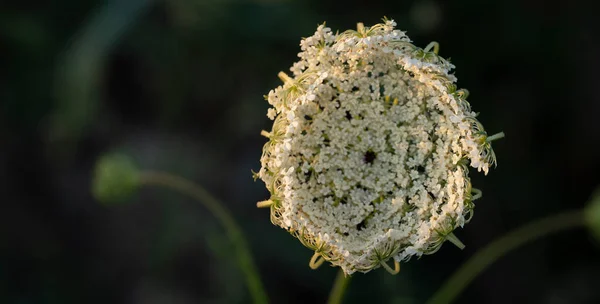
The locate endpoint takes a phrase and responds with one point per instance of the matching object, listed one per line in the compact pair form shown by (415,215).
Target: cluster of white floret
(368,156)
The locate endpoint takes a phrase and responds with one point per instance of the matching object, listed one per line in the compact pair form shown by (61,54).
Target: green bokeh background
(178,85)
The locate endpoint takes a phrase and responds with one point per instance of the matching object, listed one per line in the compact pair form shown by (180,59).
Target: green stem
(339,288)
(512,240)
(233,231)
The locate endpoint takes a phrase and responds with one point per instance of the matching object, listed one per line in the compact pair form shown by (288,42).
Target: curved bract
(368,156)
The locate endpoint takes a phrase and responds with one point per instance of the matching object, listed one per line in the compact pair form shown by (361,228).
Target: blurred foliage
(592,213)
(178,85)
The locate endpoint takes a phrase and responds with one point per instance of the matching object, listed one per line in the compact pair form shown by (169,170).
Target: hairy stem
(500,247)
(339,288)
(255,286)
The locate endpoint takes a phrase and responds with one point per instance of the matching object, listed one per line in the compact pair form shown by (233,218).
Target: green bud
(592,214)
(115,178)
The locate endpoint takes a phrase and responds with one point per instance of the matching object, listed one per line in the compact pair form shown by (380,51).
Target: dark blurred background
(178,85)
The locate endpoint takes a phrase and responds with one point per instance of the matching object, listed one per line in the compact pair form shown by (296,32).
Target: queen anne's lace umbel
(368,156)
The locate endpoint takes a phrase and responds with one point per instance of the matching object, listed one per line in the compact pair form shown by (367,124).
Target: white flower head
(368,156)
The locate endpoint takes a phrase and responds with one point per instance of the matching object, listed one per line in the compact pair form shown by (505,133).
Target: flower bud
(115,179)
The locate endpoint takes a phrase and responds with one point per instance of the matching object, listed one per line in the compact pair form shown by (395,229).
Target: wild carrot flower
(368,156)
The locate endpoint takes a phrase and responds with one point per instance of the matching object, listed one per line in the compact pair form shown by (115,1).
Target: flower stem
(339,288)
(245,262)
(498,248)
